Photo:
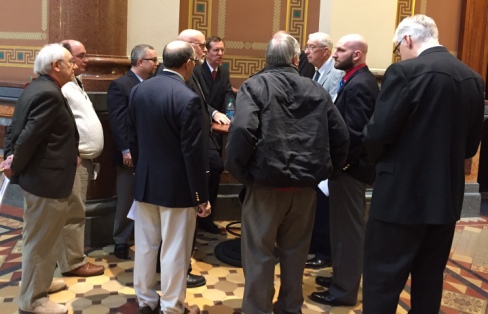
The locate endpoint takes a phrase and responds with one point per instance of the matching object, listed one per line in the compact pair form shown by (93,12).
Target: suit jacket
(44,141)
(118,102)
(165,124)
(356,101)
(428,119)
(331,78)
(216,93)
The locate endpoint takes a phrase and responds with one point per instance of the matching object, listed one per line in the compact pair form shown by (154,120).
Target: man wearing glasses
(428,120)
(319,54)
(215,82)
(197,41)
(72,260)
(41,154)
(144,62)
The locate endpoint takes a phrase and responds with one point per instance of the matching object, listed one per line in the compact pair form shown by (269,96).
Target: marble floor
(465,287)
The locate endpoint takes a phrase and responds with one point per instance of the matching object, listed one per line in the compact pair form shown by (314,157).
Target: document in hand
(4,181)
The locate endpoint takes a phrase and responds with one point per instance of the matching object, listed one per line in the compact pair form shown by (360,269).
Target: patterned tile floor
(465,287)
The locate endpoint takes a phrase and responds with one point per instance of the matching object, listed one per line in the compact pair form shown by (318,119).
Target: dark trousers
(320,244)
(392,252)
(216,167)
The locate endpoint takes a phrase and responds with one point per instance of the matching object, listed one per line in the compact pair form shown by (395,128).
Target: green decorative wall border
(31,35)
(18,56)
(296,19)
(200,16)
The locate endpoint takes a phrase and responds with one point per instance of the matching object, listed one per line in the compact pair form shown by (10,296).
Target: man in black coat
(166,138)
(144,62)
(355,101)
(217,91)
(428,120)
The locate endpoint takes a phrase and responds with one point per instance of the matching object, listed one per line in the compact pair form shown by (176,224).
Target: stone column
(102,27)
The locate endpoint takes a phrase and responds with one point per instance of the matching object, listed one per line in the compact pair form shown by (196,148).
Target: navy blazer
(165,125)
(356,102)
(118,102)
(428,119)
(44,141)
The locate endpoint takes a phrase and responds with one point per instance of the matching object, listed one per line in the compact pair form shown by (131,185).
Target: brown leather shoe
(86,270)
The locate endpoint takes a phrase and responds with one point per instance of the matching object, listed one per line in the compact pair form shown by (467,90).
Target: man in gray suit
(319,53)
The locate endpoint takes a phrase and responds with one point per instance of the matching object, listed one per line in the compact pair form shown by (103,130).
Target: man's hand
(204,210)
(127,160)
(221,118)
(5,165)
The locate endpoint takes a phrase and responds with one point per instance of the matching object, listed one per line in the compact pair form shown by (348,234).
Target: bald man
(197,41)
(355,100)
(72,260)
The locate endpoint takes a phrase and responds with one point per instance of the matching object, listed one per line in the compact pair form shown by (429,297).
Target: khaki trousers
(73,236)
(44,219)
(174,228)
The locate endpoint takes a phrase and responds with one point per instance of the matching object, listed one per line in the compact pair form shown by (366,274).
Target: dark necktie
(317,76)
(214,74)
(79,82)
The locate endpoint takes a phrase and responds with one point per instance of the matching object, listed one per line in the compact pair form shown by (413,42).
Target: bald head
(351,50)
(78,51)
(178,56)
(197,39)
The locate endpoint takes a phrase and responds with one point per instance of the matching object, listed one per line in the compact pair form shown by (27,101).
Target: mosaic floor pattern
(465,286)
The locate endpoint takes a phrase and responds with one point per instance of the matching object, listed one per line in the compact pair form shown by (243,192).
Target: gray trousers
(347,224)
(123,226)
(275,216)
(44,219)
(72,238)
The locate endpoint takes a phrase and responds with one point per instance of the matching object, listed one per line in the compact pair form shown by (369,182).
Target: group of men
(289,133)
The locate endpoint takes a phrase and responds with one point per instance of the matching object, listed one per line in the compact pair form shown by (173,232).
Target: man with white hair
(428,120)
(319,53)
(283,141)
(42,156)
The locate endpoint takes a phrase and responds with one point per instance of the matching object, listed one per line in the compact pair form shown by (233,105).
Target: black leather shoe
(121,251)
(148,310)
(193,281)
(323,281)
(209,226)
(327,299)
(317,263)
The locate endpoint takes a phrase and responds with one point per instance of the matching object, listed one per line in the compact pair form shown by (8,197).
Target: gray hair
(322,39)
(420,27)
(176,53)
(45,58)
(138,52)
(281,49)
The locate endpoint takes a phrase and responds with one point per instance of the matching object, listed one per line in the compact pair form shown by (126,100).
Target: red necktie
(214,74)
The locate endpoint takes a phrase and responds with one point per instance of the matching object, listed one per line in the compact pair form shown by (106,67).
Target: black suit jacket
(44,141)
(165,124)
(356,101)
(216,94)
(118,102)
(428,119)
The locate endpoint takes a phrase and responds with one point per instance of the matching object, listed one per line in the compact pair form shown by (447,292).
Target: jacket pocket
(52,163)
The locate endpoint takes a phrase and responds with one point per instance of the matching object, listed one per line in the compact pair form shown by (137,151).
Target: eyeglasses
(82,56)
(312,47)
(396,51)
(202,46)
(155,59)
(195,60)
